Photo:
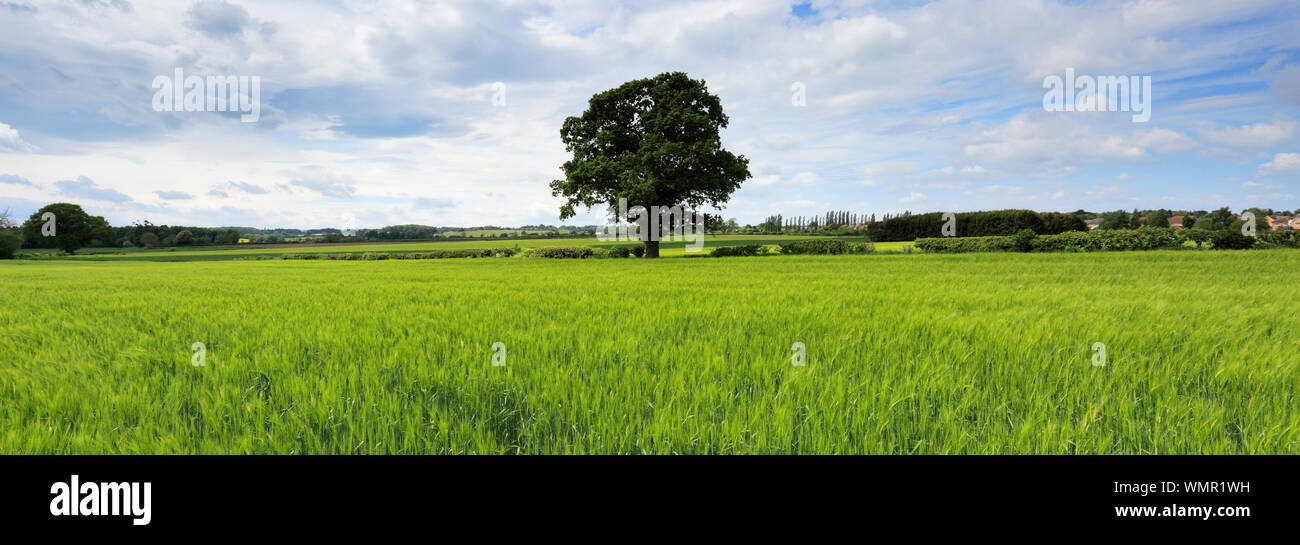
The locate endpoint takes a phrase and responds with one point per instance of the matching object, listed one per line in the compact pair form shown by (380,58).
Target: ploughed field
(976,353)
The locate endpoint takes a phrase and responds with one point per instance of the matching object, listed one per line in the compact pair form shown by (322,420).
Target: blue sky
(385,111)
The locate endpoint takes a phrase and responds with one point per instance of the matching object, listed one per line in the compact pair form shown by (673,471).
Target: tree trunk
(652,248)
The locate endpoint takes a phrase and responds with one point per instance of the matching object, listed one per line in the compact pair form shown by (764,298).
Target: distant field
(980,353)
(668,249)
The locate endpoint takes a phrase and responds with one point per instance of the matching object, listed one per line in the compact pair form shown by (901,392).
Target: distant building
(1282,222)
(1093,224)
(1176,222)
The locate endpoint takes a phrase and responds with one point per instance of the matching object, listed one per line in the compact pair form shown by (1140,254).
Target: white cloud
(1253,136)
(912,197)
(10,141)
(1281,163)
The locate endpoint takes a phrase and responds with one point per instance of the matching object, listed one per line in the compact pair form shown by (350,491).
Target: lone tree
(73,227)
(651,141)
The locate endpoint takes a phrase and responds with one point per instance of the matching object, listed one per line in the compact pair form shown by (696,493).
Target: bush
(735,251)
(1199,236)
(1023,240)
(826,247)
(618,251)
(638,251)
(962,245)
(1145,238)
(1281,238)
(1231,240)
(9,244)
(561,252)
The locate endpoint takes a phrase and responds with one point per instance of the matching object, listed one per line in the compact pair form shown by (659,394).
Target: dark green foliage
(638,251)
(619,251)
(1157,218)
(1023,240)
(1217,220)
(74,228)
(826,247)
(653,141)
(560,252)
(1115,220)
(968,224)
(9,243)
(962,245)
(735,251)
(1055,223)
(1199,236)
(1283,238)
(1231,240)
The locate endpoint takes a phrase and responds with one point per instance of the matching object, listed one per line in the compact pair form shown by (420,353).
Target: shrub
(1145,238)
(561,252)
(638,251)
(826,247)
(734,251)
(961,245)
(1283,238)
(619,251)
(1199,236)
(1023,240)
(9,244)
(1231,240)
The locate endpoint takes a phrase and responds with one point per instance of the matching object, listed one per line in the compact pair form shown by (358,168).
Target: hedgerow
(736,251)
(1286,239)
(1145,238)
(826,247)
(560,252)
(433,254)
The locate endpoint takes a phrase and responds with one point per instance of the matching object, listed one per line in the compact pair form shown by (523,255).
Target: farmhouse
(1093,224)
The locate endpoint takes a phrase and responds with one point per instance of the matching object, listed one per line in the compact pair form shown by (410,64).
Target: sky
(448,113)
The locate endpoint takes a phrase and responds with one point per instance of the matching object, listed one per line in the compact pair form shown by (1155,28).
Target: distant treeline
(145,234)
(973,224)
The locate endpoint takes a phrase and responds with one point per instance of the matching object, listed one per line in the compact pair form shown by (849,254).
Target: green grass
(982,353)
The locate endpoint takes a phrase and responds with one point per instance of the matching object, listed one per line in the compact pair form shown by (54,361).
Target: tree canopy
(73,227)
(654,142)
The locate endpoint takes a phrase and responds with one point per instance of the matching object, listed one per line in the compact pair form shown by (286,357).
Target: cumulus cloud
(1282,163)
(85,188)
(1253,136)
(11,142)
(217,18)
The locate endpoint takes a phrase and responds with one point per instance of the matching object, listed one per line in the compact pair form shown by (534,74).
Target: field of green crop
(979,353)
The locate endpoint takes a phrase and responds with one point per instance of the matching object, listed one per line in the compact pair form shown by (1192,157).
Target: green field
(977,353)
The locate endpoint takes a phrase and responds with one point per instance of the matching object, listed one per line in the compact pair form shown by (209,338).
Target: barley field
(977,353)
